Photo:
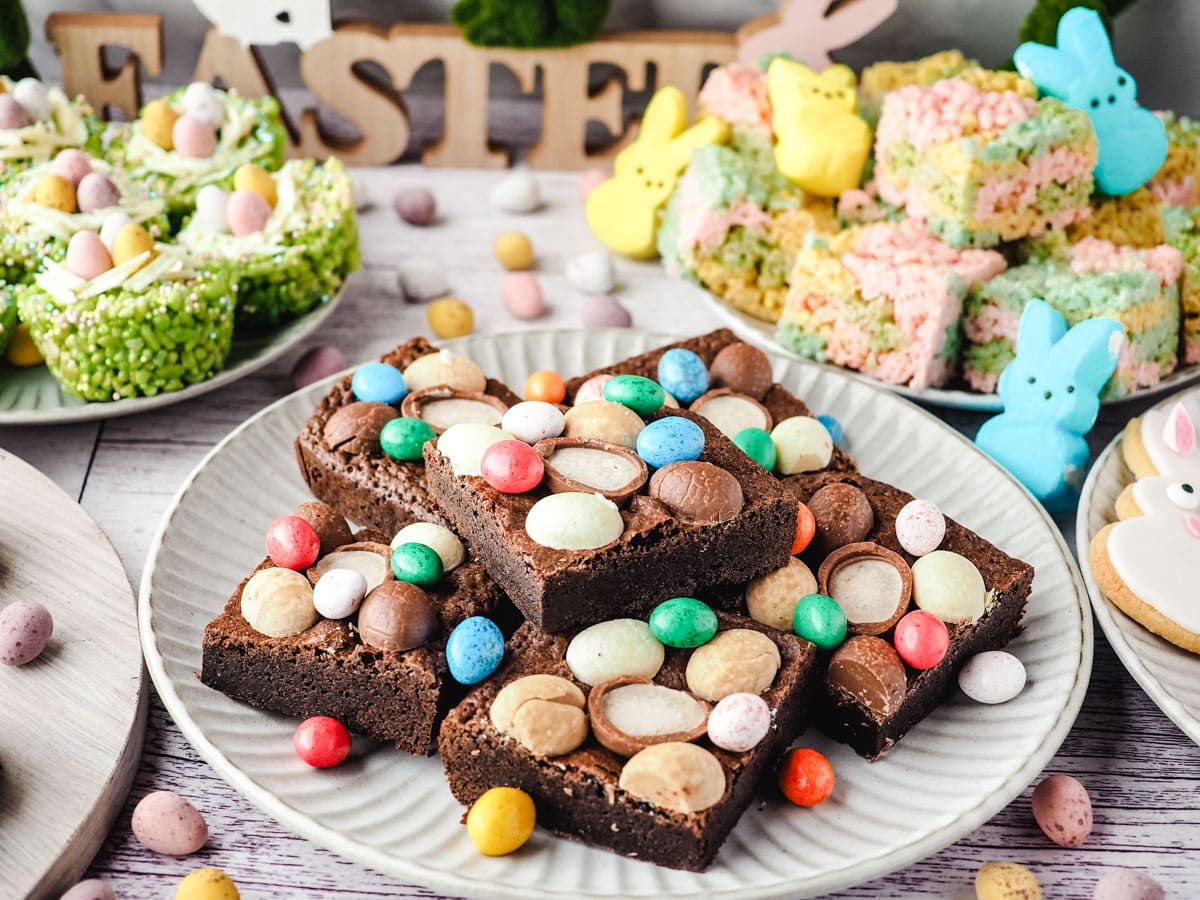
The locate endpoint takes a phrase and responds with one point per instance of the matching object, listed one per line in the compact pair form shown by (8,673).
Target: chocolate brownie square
(354,475)
(579,793)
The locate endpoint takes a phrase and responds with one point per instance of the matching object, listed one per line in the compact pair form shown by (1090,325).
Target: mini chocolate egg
(397,616)
(1006,881)
(1123,884)
(450,317)
(55,192)
(642,395)
(603,311)
(514,251)
(378,382)
(592,389)
(605,421)
(683,622)
(247,212)
(87,256)
(202,102)
(869,670)
(256,179)
(113,223)
(315,364)
(415,205)
(332,529)
(516,193)
(12,113)
(522,295)
(670,439)
(158,122)
(739,722)
(533,420)
(574,521)
(592,273)
(920,527)
(474,649)
(949,586)
(207,884)
(96,191)
(34,96)
(356,427)
(193,139)
(72,164)
(697,492)
(131,241)
(682,374)
(25,629)
(169,824)
(339,592)
(501,820)
(802,444)
(842,513)
(993,676)
(743,368)
(1063,810)
(92,889)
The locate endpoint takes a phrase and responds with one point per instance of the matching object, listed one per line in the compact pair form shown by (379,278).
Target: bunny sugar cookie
(1148,562)
(1082,72)
(623,212)
(1051,396)
(823,144)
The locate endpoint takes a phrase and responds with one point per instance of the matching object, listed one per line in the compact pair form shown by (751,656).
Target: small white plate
(1169,675)
(395,813)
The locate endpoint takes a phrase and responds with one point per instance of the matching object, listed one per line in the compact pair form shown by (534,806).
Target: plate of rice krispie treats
(978,196)
(176,255)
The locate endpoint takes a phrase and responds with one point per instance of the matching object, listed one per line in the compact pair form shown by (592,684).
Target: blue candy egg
(670,439)
(683,374)
(378,383)
(474,649)
(834,427)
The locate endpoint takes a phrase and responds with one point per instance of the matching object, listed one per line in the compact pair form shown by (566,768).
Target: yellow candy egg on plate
(130,241)
(250,177)
(56,192)
(22,351)
(501,820)
(158,123)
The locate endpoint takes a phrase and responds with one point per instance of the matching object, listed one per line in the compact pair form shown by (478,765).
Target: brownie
(369,487)
(327,670)
(658,556)
(578,796)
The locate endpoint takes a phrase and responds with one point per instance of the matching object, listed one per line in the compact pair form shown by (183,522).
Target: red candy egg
(806,777)
(292,543)
(321,742)
(512,467)
(921,639)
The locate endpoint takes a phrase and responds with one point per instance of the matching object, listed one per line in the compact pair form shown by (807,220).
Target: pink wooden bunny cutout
(807,30)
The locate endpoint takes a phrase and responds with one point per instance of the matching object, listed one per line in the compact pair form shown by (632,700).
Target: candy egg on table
(670,439)
(72,164)
(87,256)
(25,630)
(522,295)
(574,521)
(998,880)
(683,622)
(802,444)
(512,467)
(404,438)
(603,311)
(247,212)
(113,223)
(474,649)
(533,420)
(516,193)
(96,191)
(546,386)
(378,382)
(501,820)
(416,563)
(921,639)
(169,824)
(920,527)
(423,279)
(682,374)
(339,592)
(257,180)
(513,250)
(739,722)
(1123,884)
(415,205)
(292,543)
(91,889)
(158,123)
(615,648)
(642,395)
(806,777)
(440,538)
(193,138)
(993,676)
(450,317)
(1063,810)
(34,96)
(202,102)
(321,742)
(12,113)
(317,363)
(592,273)
(55,192)
(207,884)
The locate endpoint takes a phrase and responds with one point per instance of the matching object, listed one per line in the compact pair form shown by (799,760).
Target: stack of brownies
(641,544)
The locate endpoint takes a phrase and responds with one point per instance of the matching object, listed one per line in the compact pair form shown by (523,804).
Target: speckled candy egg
(158,120)
(202,102)
(1006,881)
(533,420)
(12,113)
(96,192)
(113,223)
(25,629)
(739,722)
(212,208)
(193,139)
(574,521)
(92,889)
(592,389)
(72,164)
(682,374)
(55,192)
(207,884)
(247,212)
(315,364)
(920,527)
(1125,884)
(683,622)
(522,295)
(168,824)
(87,256)
(474,649)
(603,311)
(450,317)
(670,439)
(131,241)
(1063,810)
(642,395)
(34,96)
(993,676)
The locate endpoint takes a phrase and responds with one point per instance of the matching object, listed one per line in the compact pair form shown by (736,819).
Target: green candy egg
(639,394)
(683,622)
(757,444)
(820,619)
(417,564)
(404,438)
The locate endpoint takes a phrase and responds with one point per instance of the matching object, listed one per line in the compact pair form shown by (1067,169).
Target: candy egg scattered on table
(317,363)
(450,317)
(1063,810)
(592,273)
(513,250)
(207,884)
(517,192)
(521,295)
(169,824)
(90,889)
(416,206)
(603,311)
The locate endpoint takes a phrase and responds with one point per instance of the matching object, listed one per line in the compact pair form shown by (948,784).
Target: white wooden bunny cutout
(302,22)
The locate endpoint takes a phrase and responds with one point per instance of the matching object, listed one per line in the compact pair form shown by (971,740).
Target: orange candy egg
(806,777)
(546,386)
(806,527)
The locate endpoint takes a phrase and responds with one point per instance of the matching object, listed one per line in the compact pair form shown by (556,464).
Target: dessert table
(1139,768)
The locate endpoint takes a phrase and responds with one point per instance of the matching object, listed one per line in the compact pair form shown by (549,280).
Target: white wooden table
(1141,771)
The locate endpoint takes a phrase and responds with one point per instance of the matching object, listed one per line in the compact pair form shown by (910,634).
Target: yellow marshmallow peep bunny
(623,212)
(822,144)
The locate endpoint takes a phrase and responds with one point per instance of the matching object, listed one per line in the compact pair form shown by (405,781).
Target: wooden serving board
(72,721)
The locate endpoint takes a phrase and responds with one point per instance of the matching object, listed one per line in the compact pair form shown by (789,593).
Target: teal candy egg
(683,622)
(670,439)
(639,394)
(417,564)
(820,619)
(474,649)
(378,382)
(682,374)
(757,444)
(404,438)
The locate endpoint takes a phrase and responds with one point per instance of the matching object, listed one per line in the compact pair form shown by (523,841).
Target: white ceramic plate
(763,334)
(395,813)
(1170,676)
(32,396)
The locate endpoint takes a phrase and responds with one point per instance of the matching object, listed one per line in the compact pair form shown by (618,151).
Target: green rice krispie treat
(199,135)
(288,240)
(8,315)
(37,121)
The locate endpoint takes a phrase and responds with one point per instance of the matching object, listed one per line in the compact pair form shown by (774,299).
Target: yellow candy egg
(501,820)
(22,351)
(1006,881)
(514,251)
(450,317)
(158,123)
(56,192)
(250,177)
(207,884)
(129,242)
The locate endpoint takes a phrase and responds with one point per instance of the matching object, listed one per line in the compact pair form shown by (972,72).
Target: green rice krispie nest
(130,331)
(72,123)
(301,258)
(31,233)
(8,314)
(251,132)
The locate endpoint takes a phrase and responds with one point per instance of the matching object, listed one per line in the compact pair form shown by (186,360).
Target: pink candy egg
(921,639)
(512,467)
(603,311)
(1063,810)
(168,824)
(95,192)
(522,295)
(315,364)
(589,179)
(72,165)
(1127,884)
(12,113)
(92,889)
(87,256)
(247,212)
(193,138)
(920,527)
(25,630)
(592,389)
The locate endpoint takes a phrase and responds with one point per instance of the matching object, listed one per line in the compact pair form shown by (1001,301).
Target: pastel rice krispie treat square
(1183,233)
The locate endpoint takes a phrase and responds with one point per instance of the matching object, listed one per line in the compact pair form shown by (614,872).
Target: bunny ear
(1179,433)
(665,116)
(1081,33)
(1088,354)
(1042,326)
(709,130)
(1050,69)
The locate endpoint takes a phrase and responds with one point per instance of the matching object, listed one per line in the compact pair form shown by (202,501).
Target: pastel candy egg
(683,622)
(615,648)
(1123,884)
(533,420)
(22,351)
(474,649)
(605,421)
(603,311)
(920,527)
(802,444)
(12,113)
(670,439)
(378,382)
(993,676)
(292,543)
(339,593)
(404,438)
(158,123)
(1006,881)
(423,279)
(446,368)
(207,884)
(315,364)
(834,427)
(438,537)
(55,192)
(501,820)
(735,661)
(522,295)
(278,602)
(168,824)
(464,445)
(34,96)
(415,563)
(592,273)
(739,722)
(512,467)
(113,223)
(514,251)
(574,521)
(921,639)
(92,889)
(131,241)
(592,389)
(25,630)
(72,164)
(450,317)
(247,212)
(202,102)
(415,205)
(949,586)
(212,208)
(1063,810)
(516,193)
(87,256)
(819,618)
(642,395)
(96,191)
(257,180)
(682,374)
(757,444)
(193,139)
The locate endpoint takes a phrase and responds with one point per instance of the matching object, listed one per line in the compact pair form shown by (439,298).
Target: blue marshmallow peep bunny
(1051,396)
(1082,72)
